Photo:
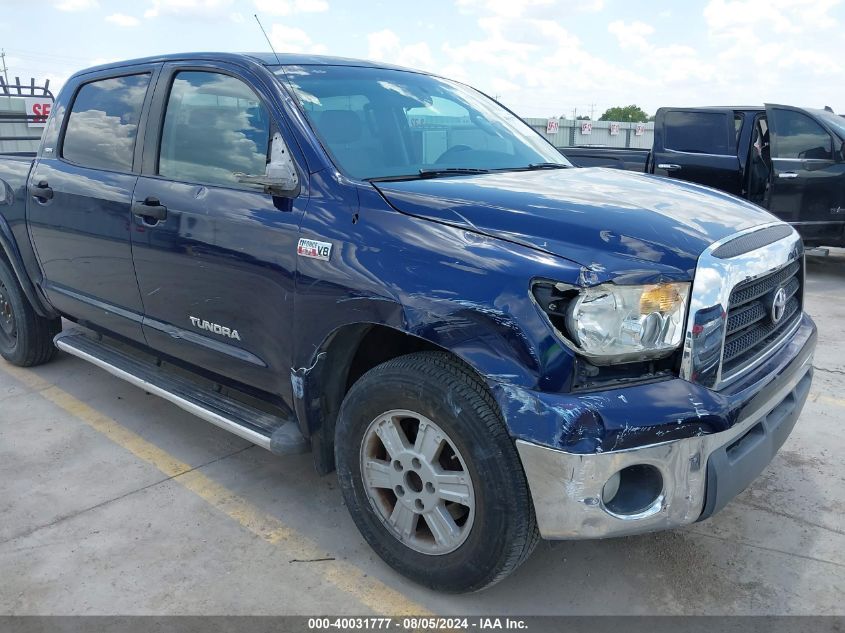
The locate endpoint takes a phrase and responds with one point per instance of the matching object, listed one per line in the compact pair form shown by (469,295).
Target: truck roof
(746,108)
(267,59)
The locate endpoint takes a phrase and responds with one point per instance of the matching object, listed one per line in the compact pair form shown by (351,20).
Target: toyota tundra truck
(393,271)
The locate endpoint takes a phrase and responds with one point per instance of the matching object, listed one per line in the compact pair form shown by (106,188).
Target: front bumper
(700,474)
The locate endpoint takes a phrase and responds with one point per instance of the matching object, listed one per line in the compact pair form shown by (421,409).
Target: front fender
(461,291)
(451,288)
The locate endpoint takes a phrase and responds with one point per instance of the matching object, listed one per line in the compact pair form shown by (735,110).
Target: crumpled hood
(608,220)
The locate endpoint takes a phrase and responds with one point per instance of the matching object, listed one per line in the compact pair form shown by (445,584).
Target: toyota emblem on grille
(778,305)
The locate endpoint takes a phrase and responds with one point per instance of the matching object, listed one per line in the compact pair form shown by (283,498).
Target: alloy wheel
(417,482)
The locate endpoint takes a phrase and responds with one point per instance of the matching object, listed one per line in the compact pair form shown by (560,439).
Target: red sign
(614,129)
(39,108)
(640,129)
(552,126)
(587,127)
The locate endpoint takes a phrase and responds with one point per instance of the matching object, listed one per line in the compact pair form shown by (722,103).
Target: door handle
(150,209)
(788,174)
(42,191)
(669,166)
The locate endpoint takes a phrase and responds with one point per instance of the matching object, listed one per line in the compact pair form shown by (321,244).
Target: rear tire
(26,339)
(442,498)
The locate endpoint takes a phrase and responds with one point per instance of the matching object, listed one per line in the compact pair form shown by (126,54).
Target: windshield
(834,121)
(381,123)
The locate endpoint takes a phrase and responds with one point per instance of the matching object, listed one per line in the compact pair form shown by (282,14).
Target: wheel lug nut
(419,505)
(429,487)
(416,463)
(399,490)
(397,465)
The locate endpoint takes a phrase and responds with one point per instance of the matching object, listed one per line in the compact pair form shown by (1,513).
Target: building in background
(573,133)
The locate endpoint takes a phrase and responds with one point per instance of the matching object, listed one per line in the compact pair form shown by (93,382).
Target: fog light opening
(610,489)
(632,490)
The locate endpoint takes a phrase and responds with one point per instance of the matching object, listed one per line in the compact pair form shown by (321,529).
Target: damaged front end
(651,457)
(666,445)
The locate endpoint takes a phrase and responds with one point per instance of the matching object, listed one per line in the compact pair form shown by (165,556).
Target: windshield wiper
(535,167)
(451,171)
(432,173)
(547,166)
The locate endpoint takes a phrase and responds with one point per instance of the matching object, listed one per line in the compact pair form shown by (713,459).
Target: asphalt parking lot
(116,502)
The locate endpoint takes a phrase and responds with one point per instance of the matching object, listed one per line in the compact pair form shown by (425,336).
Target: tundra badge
(214,327)
(314,249)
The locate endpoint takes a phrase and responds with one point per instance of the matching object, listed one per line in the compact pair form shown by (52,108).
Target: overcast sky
(541,57)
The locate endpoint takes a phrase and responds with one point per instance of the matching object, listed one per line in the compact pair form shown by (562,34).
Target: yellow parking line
(837,402)
(344,576)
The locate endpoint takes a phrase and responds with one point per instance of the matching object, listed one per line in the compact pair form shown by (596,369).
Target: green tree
(583,117)
(631,113)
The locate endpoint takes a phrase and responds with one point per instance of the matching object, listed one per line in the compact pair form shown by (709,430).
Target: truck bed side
(631,159)
(15,244)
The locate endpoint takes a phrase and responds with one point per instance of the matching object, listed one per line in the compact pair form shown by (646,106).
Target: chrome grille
(749,290)
(750,328)
(729,327)
(743,315)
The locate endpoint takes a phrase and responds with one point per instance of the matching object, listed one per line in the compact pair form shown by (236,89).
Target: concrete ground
(116,502)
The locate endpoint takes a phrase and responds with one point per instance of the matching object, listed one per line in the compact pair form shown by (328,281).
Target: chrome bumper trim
(567,487)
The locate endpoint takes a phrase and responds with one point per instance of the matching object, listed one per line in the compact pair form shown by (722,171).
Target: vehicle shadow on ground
(831,264)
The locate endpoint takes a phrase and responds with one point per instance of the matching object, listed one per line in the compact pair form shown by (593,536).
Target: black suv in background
(788,160)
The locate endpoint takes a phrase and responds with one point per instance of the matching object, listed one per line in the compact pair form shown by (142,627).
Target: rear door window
(215,128)
(699,133)
(103,123)
(799,136)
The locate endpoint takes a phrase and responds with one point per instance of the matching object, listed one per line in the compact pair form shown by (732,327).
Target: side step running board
(263,429)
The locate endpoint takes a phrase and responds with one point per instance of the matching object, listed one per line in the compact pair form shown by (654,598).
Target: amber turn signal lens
(659,298)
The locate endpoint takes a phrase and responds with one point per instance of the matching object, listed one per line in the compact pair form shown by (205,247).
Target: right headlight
(611,323)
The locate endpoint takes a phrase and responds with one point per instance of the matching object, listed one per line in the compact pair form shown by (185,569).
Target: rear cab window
(102,126)
(699,133)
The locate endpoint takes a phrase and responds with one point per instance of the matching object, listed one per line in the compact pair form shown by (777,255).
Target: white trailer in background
(24,108)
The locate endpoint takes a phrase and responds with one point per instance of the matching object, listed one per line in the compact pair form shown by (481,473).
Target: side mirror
(280,177)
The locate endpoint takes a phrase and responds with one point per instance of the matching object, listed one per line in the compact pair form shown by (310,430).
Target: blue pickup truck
(393,271)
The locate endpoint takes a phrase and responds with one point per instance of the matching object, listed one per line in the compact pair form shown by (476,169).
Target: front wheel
(430,475)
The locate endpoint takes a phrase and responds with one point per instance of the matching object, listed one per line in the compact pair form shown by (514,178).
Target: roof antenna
(261,26)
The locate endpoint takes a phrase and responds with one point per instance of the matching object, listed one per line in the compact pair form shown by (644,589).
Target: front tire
(26,339)
(430,475)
